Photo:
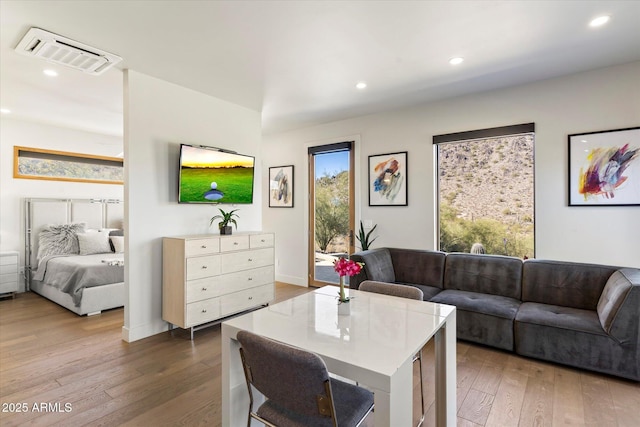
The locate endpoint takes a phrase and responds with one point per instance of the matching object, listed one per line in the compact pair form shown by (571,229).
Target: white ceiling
(298,61)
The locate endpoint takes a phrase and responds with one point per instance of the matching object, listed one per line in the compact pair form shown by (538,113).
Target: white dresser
(8,273)
(208,277)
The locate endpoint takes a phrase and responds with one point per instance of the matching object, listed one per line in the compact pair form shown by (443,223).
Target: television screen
(208,175)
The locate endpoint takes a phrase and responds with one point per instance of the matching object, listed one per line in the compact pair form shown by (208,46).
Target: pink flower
(347,267)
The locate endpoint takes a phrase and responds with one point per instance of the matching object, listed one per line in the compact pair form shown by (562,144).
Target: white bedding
(72,274)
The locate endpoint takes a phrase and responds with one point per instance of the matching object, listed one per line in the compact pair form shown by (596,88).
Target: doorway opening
(331,210)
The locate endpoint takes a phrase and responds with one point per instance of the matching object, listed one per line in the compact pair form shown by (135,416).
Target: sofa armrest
(619,307)
(377,266)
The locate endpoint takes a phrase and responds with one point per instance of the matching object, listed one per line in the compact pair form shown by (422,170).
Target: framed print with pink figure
(604,168)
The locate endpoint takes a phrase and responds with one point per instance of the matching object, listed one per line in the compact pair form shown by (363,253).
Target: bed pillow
(115,232)
(118,244)
(59,239)
(93,243)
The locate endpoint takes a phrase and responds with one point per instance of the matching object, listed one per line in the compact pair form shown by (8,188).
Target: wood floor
(65,370)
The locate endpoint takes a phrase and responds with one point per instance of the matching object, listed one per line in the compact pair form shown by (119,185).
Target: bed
(66,260)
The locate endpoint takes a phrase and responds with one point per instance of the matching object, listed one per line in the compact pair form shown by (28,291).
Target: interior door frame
(354,200)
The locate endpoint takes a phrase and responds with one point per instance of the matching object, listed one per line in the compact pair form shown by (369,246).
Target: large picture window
(486,191)
(34,163)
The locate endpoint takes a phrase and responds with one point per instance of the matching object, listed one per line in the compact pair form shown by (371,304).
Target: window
(486,191)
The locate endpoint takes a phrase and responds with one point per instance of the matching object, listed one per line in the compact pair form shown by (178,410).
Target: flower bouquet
(346,267)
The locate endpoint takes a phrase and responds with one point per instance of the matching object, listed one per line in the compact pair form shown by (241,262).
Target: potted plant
(363,237)
(227,220)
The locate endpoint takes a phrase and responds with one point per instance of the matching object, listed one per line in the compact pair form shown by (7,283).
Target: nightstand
(8,273)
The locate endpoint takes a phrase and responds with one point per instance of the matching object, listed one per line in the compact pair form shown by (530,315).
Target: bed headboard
(40,212)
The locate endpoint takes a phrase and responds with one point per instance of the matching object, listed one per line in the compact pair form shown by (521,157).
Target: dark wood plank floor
(61,369)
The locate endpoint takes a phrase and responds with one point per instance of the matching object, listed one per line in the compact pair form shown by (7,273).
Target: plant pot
(226,230)
(344,308)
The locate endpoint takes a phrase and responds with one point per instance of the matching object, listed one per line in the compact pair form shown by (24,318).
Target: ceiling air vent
(51,47)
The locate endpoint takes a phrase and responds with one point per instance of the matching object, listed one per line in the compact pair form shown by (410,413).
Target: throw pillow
(59,239)
(115,232)
(118,244)
(93,243)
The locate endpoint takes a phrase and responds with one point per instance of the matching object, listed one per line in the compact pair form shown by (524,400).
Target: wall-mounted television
(213,175)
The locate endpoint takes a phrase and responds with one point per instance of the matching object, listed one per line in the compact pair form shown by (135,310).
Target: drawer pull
(262,240)
(204,267)
(204,289)
(235,243)
(204,246)
(250,297)
(250,259)
(204,310)
(250,279)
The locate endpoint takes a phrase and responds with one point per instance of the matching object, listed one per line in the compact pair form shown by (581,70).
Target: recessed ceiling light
(457,60)
(599,21)
(5,111)
(51,73)
(361,85)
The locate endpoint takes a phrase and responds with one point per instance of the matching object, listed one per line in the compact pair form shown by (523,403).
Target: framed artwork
(281,187)
(388,179)
(604,168)
(53,165)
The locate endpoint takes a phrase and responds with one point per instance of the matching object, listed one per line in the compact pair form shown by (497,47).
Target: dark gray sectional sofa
(582,315)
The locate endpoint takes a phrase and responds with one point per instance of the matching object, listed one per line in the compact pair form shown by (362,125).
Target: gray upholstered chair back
(290,377)
(393,289)
(403,291)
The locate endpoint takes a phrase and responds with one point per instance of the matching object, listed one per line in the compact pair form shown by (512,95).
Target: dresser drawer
(9,269)
(203,266)
(233,262)
(9,259)
(197,247)
(203,311)
(200,289)
(261,241)
(9,278)
(234,243)
(9,285)
(243,300)
(234,282)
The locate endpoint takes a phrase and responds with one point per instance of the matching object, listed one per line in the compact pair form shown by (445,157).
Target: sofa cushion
(482,303)
(613,295)
(568,284)
(487,274)
(560,317)
(572,337)
(377,265)
(418,267)
(482,318)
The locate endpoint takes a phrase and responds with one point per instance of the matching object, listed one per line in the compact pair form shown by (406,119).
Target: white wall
(158,117)
(590,101)
(29,134)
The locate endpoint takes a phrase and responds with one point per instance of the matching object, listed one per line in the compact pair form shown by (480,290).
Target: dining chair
(297,388)
(402,291)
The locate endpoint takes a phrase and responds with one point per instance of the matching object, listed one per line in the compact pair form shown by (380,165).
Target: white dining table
(374,346)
